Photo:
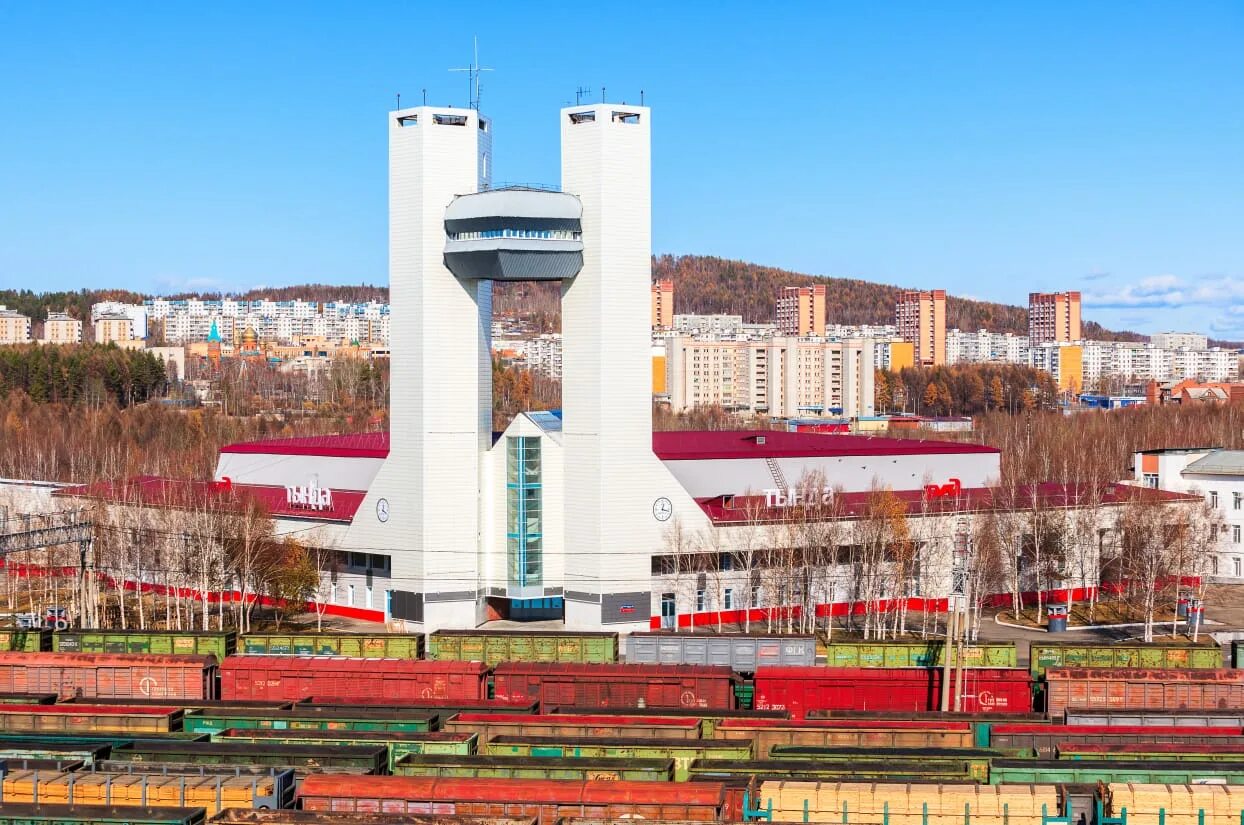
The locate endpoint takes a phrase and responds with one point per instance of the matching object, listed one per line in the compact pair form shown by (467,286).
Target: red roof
(708,444)
(669,446)
(214,495)
(346,445)
(726,509)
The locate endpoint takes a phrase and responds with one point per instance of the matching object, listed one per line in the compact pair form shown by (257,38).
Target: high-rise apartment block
(780,376)
(663,304)
(1053,317)
(14,327)
(800,311)
(60,328)
(921,320)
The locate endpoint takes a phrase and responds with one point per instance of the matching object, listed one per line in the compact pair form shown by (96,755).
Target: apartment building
(1179,340)
(61,328)
(663,304)
(137,313)
(14,327)
(921,320)
(285,322)
(1063,361)
(1053,316)
(114,329)
(800,311)
(984,346)
(783,376)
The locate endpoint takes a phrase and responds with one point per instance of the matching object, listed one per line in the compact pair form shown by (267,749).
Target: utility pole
(947,651)
(960,643)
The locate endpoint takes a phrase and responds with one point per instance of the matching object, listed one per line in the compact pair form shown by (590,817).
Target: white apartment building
(1218,475)
(14,327)
(720,325)
(137,313)
(1179,340)
(286,322)
(985,346)
(60,328)
(785,377)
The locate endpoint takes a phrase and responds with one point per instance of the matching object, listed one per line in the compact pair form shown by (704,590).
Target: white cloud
(1219,297)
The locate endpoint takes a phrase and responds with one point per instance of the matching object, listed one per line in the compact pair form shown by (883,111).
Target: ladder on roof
(776,472)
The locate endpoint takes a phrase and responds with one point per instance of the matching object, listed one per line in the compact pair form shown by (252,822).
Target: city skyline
(988,153)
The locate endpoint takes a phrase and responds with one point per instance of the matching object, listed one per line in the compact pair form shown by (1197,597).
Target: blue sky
(990,148)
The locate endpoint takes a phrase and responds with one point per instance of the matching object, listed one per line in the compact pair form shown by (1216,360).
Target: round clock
(662,509)
(382,509)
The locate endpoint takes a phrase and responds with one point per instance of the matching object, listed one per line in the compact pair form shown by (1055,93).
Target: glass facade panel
(524,522)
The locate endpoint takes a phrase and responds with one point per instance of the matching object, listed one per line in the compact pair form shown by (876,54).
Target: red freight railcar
(1142,688)
(616,686)
(801,689)
(765,734)
(547,799)
(394,680)
(109,675)
(1045,740)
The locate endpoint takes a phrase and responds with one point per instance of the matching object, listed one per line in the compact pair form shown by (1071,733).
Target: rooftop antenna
(399,100)
(641,97)
(473,72)
(578,95)
(602,94)
(425,97)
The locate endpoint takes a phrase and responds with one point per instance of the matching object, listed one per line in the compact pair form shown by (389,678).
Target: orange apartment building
(800,311)
(663,304)
(921,320)
(1053,317)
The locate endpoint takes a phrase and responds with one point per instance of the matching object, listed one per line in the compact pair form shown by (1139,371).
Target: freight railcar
(1045,740)
(213,721)
(211,792)
(1154,655)
(1155,751)
(29,641)
(681,751)
(396,743)
(606,686)
(922,653)
(391,680)
(203,643)
(15,813)
(655,727)
(548,800)
(803,689)
(1135,688)
(795,801)
(235,816)
(354,645)
(741,652)
(539,767)
(109,675)
(765,734)
(1084,772)
(494,647)
(1134,717)
(371,759)
(75,719)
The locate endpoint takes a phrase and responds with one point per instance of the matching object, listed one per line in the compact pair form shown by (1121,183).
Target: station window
(727,599)
(1237,500)
(524,517)
(699,601)
(1235,533)
(1213,498)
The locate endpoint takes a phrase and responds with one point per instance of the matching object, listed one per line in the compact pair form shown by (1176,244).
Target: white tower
(613,480)
(424,505)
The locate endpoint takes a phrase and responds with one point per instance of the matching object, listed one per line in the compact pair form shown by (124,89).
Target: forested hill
(715,285)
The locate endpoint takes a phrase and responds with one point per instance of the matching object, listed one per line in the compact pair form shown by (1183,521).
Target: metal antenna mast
(473,72)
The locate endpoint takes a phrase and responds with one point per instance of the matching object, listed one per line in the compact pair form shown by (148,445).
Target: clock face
(382,509)
(662,509)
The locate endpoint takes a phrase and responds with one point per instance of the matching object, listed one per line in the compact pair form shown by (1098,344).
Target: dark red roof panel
(346,445)
(732,444)
(756,509)
(157,491)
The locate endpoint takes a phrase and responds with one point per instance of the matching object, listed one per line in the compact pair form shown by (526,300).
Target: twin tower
(451,234)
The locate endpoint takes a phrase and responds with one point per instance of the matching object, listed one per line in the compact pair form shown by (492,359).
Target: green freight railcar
(214,721)
(357,645)
(33,699)
(87,754)
(523,646)
(1087,772)
(397,743)
(970,762)
(17,813)
(218,644)
(682,751)
(871,770)
(366,758)
(1130,655)
(930,653)
(27,641)
(522,767)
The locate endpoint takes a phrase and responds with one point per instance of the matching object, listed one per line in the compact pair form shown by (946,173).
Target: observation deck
(516,233)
